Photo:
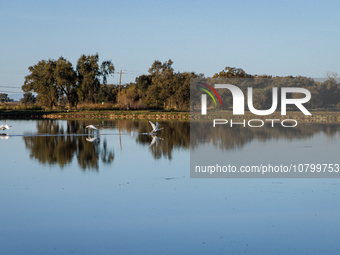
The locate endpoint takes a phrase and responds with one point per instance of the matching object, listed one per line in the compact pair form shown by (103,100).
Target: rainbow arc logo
(208,92)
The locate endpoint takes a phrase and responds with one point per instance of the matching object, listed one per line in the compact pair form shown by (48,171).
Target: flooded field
(119,190)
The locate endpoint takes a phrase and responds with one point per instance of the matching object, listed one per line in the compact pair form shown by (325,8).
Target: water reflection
(227,138)
(4,136)
(155,140)
(60,142)
(175,135)
(69,212)
(263,152)
(92,139)
(55,143)
(60,147)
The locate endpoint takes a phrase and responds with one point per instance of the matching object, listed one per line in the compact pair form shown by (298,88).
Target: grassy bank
(85,111)
(94,115)
(317,116)
(111,111)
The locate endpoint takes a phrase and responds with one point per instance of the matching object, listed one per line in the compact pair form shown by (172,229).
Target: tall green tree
(143,82)
(89,73)
(181,97)
(42,81)
(106,69)
(161,88)
(66,79)
(106,93)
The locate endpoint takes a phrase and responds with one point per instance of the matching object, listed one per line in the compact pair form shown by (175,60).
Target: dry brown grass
(96,107)
(17,106)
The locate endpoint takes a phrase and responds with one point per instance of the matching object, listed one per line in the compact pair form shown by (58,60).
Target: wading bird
(92,139)
(155,139)
(94,127)
(4,136)
(155,128)
(4,127)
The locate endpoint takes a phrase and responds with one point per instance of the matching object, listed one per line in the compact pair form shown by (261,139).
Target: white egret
(155,139)
(4,136)
(94,127)
(92,139)
(155,128)
(4,127)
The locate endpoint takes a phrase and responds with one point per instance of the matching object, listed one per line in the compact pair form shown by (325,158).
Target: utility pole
(120,79)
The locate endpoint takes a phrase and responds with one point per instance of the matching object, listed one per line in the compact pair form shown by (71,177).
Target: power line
(12,92)
(9,87)
(12,72)
(129,72)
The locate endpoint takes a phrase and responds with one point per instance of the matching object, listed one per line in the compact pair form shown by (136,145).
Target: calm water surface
(62,194)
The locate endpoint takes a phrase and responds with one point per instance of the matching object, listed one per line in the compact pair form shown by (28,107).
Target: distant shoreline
(156,115)
(317,116)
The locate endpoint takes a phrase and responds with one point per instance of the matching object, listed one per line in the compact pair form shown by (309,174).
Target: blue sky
(261,37)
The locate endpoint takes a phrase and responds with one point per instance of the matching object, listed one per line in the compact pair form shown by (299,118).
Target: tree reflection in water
(61,149)
(225,137)
(176,135)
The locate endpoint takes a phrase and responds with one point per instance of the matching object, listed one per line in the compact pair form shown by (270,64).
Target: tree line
(57,82)
(4,98)
(324,94)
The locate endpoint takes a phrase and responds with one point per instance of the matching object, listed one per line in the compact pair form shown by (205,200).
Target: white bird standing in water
(4,127)
(155,128)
